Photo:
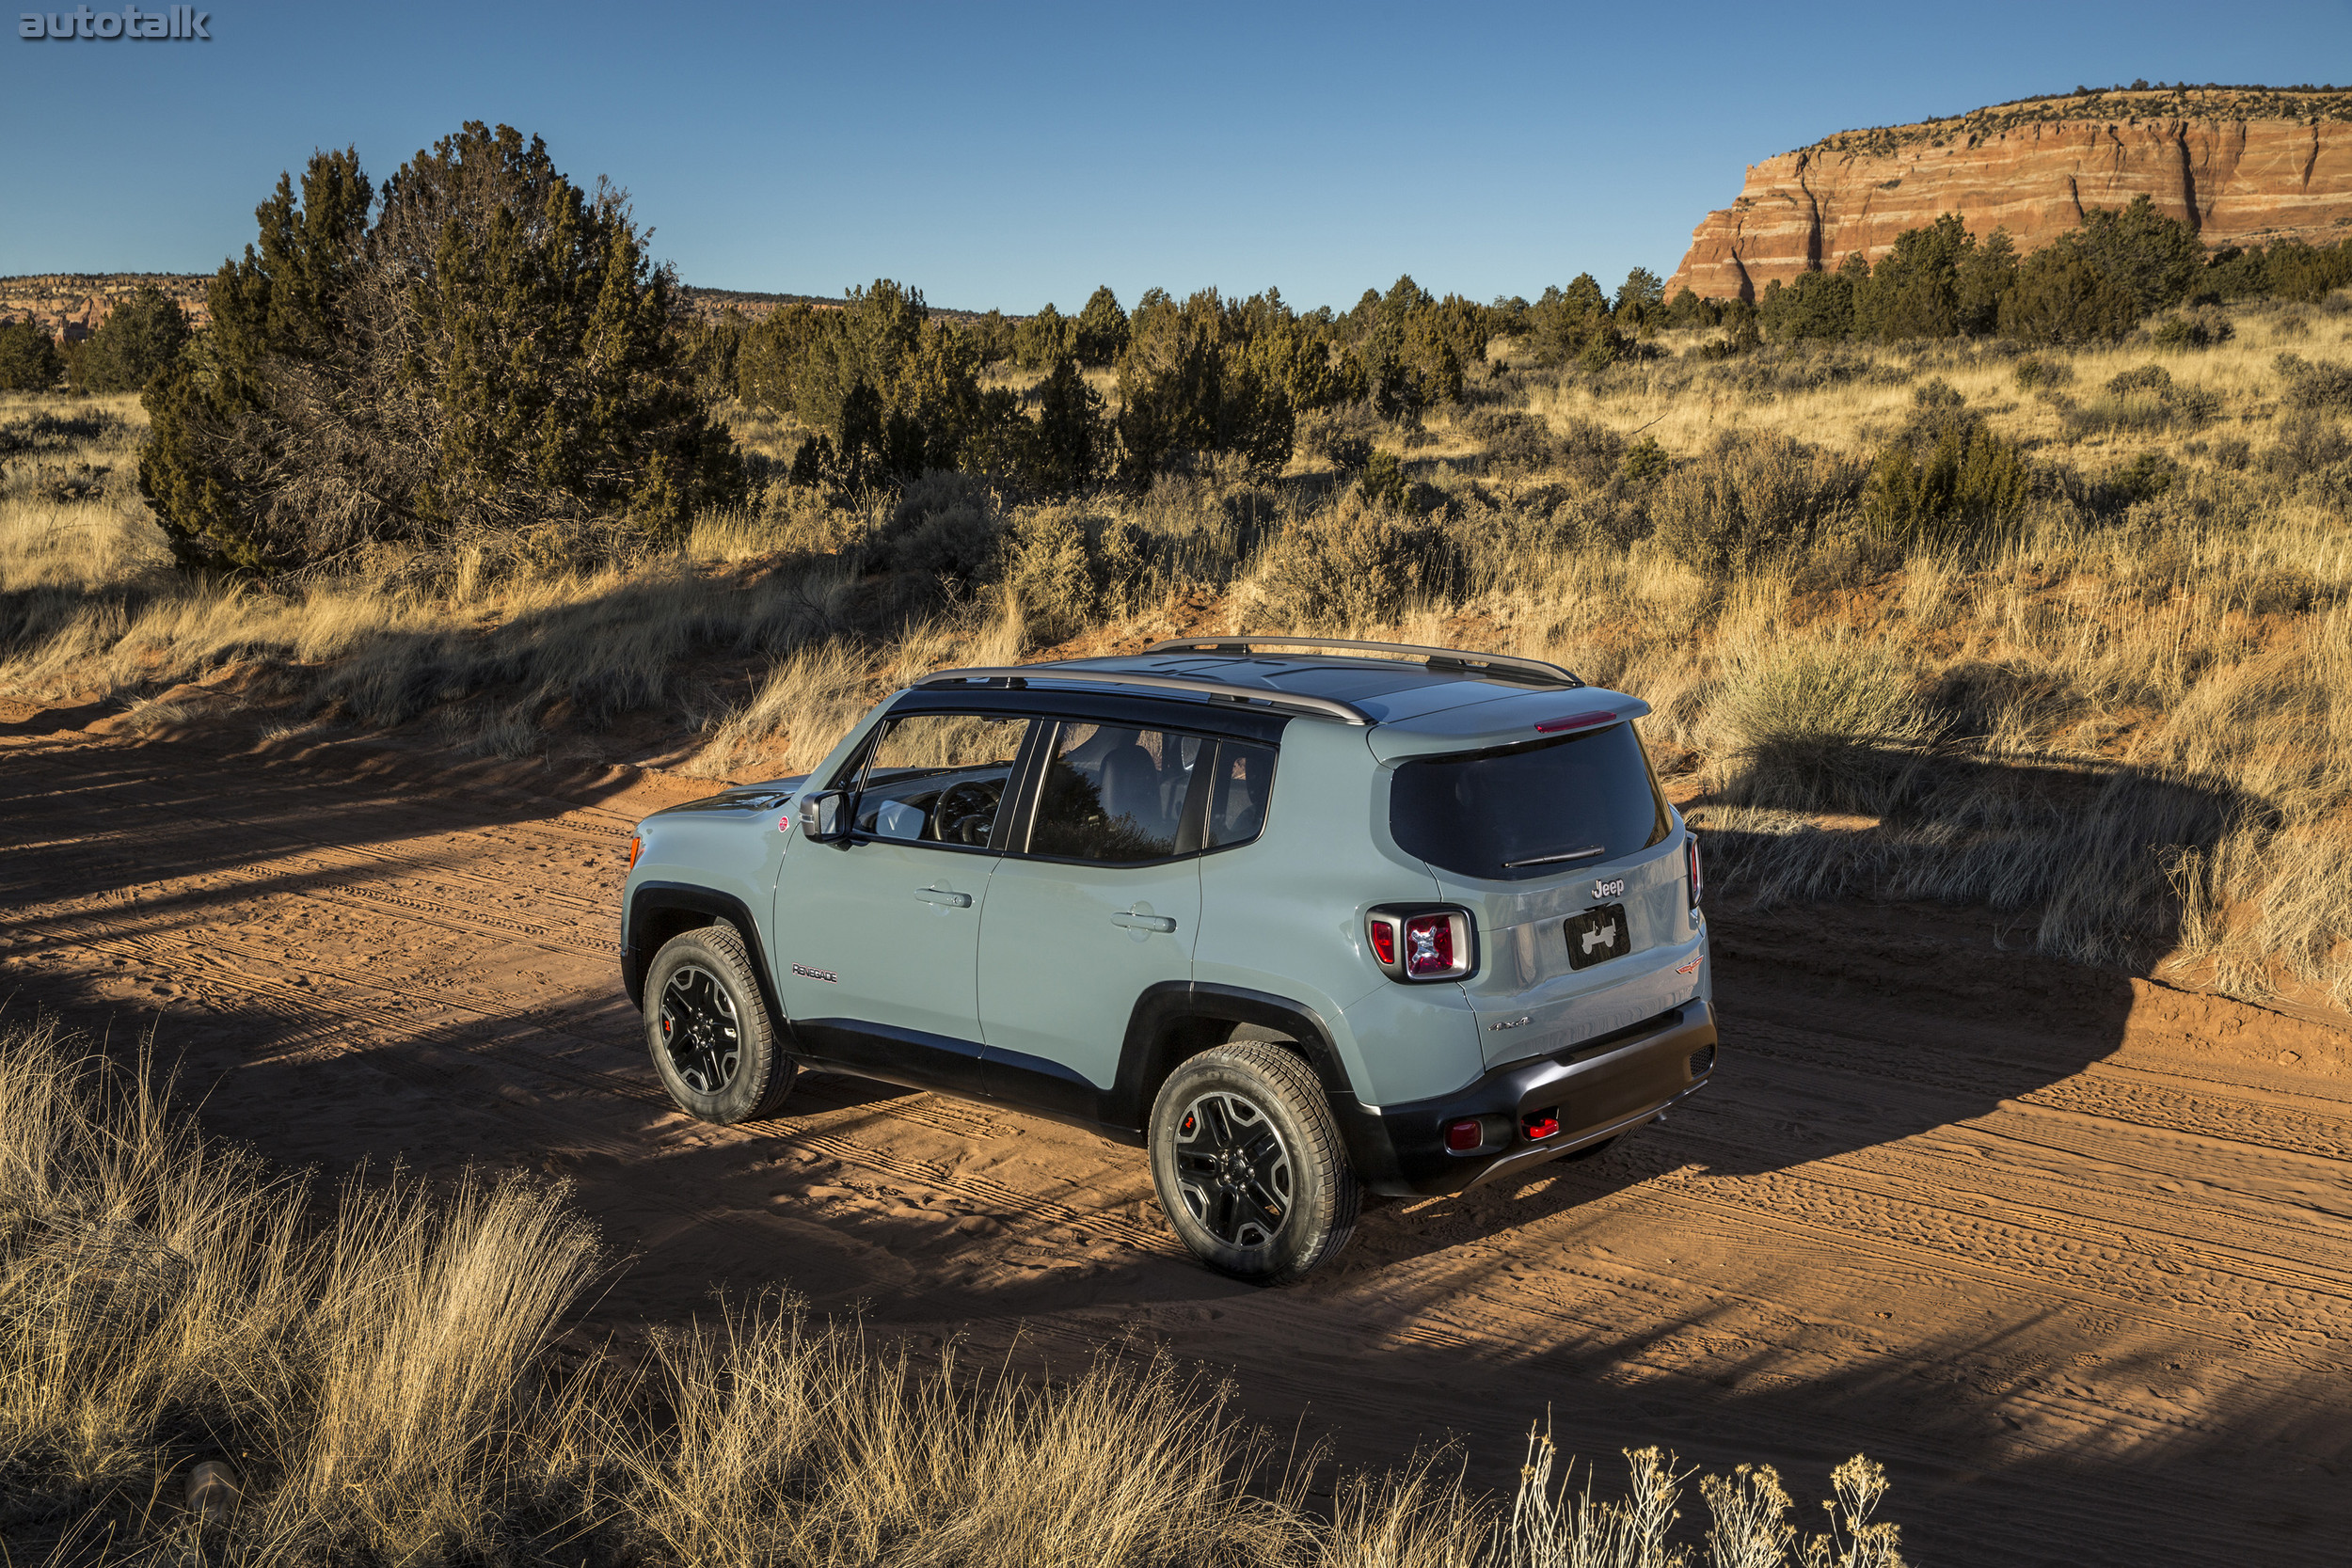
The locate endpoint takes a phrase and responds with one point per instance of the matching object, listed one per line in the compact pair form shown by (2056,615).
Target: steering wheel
(966,812)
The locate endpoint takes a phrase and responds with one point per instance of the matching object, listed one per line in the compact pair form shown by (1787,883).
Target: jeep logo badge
(1609,890)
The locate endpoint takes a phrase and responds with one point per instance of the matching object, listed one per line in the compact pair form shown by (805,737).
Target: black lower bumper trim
(1587,1093)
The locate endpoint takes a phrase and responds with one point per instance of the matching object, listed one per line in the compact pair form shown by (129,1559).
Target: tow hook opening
(1539,1125)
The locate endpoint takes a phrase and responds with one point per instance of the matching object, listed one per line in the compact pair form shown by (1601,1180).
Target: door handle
(1135,922)
(941,896)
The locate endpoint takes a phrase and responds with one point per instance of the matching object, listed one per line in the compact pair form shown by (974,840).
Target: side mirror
(825,817)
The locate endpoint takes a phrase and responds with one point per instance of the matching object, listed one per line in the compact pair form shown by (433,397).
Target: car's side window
(938,778)
(1237,798)
(1112,792)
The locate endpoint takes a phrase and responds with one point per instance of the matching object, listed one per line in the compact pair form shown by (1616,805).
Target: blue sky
(1006,156)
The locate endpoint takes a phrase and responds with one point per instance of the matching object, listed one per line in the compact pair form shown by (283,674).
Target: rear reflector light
(1382,929)
(1463,1137)
(636,848)
(1539,1125)
(1573,722)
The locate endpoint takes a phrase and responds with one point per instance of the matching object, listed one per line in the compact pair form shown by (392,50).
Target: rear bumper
(1594,1092)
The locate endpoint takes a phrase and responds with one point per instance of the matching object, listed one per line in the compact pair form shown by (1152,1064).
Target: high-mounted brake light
(1699,878)
(636,848)
(1573,722)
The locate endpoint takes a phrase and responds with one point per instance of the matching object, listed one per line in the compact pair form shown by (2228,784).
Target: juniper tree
(30,361)
(1102,329)
(138,337)
(486,353)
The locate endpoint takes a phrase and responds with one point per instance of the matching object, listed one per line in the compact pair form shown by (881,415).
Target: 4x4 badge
(1609,890)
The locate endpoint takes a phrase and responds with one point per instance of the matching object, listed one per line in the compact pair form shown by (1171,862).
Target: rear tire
(1250,1170)
(709,1032)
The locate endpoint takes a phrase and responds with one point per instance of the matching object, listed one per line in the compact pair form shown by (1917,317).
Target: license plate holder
(1597,935)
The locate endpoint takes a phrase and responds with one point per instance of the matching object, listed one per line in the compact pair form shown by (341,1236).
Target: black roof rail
(1028,674)
(1439,658)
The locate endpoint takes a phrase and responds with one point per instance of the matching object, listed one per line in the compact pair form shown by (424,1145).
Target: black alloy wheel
(701,1029)
(1233,1170)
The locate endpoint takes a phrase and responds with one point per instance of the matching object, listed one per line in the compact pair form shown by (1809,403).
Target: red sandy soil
(2071,1251)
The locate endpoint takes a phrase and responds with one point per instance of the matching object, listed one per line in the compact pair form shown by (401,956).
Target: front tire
(1247,1159)
(709,1032)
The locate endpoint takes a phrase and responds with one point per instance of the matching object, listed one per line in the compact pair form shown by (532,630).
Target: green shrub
(1102,329)
(2151,258)
(1045,339)
(1644,461)
(1357,568)
(30,361)
(1384,483)
(2323,386)
(2062,298)
(1205,377)
(1814,305)
(2033,372)
(138,337)
(1970,481)
(1750,500)
(2191,332)
(2143,479)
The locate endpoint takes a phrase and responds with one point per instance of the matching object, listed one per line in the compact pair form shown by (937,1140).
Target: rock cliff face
(2238,165)
(71,306)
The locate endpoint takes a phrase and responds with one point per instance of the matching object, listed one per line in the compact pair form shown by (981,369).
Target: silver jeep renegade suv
(1301,917)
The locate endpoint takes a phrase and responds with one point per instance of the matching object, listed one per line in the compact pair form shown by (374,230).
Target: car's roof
(1405,700)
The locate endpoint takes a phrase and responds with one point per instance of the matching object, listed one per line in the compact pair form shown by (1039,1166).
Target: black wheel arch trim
(1158,1040)
(637,946)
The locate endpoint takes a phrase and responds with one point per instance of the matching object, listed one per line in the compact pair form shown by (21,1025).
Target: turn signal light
(1464,1136)
(636,848)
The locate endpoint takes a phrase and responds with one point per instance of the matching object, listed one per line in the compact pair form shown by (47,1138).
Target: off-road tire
(762,1072)
(1324,1194)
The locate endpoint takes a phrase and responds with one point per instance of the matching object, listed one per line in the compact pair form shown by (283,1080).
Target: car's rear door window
(1539,810)
(1119,793)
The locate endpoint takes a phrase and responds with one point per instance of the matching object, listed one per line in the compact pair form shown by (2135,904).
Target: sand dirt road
(2071,1252)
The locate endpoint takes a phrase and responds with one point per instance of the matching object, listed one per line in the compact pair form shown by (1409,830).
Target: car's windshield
(1538,810)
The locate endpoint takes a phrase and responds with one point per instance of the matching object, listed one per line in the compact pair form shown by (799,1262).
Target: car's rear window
(1542,810)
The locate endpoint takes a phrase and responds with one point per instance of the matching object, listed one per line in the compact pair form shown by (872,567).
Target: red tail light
(1421,943)
(1464,1136)
(1698,880)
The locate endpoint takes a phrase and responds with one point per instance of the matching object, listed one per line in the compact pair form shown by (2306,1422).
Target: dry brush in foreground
(383,1372)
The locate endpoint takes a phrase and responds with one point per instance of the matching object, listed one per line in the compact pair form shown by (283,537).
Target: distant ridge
(71,306)
(2240,166)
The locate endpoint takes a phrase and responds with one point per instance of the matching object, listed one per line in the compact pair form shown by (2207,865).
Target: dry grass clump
(379,1376)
